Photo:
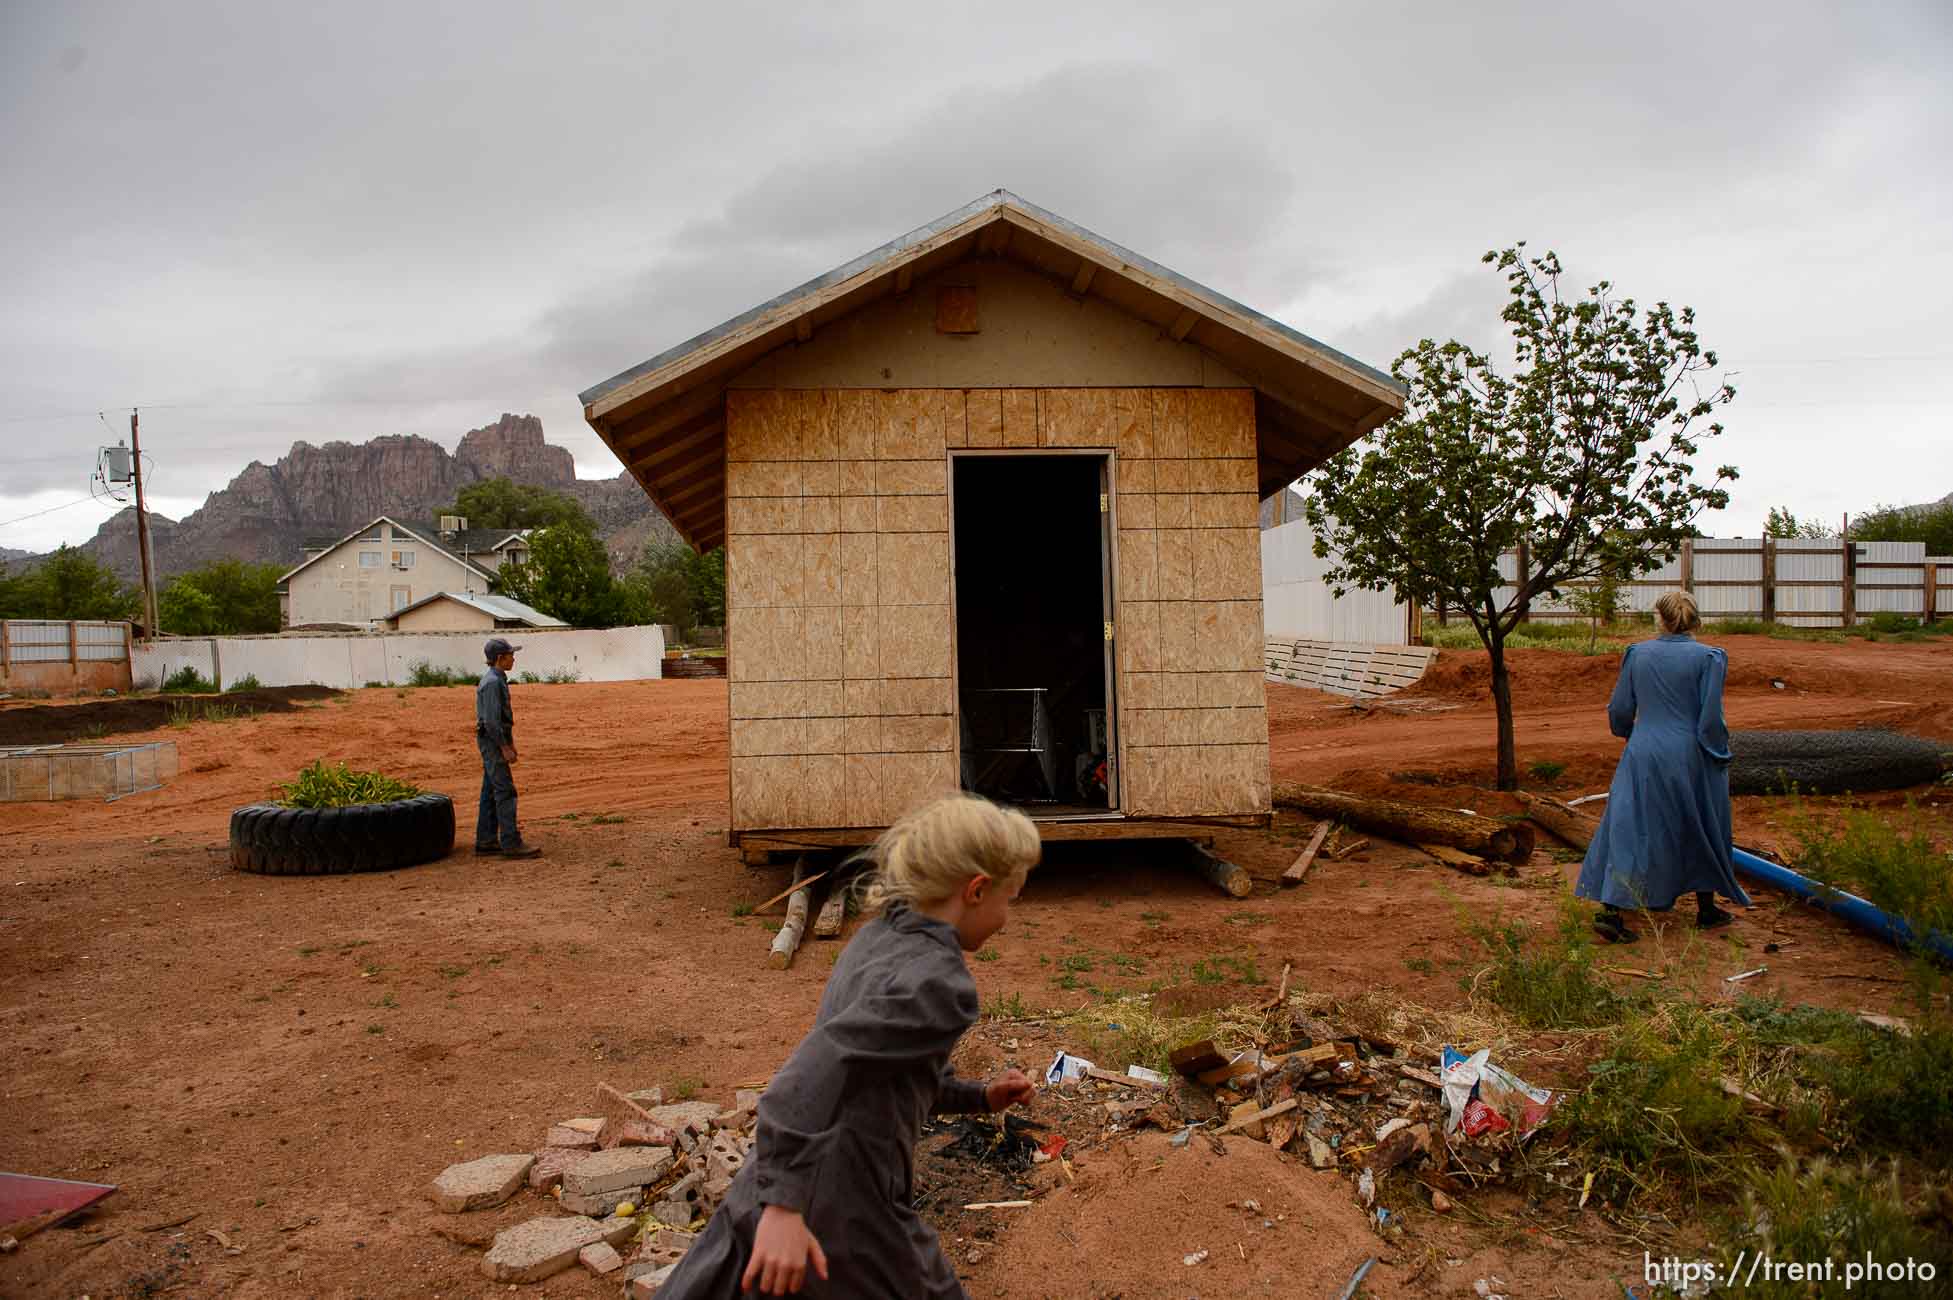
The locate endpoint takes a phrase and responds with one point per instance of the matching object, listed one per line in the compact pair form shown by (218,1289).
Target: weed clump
(333,785)
(188,681)
(1545,980)
(422,673)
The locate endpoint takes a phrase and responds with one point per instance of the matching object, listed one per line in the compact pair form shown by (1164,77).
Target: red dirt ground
(293,1059)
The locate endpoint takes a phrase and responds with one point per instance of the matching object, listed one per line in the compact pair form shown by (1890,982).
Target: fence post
(1688,565)
(1769,580)
(1929,606)
(1850,601)
(74,657)
(6,648)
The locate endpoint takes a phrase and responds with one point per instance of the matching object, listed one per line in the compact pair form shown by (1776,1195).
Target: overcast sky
(268,222)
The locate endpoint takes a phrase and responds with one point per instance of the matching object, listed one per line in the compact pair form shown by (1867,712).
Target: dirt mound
(1139,1208)
(54,724)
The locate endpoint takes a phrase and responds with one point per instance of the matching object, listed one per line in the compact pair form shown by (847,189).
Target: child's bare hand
(782,1249)
(1008,1089)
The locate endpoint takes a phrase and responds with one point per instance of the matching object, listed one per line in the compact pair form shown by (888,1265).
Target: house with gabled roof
(989,499)
(372,572)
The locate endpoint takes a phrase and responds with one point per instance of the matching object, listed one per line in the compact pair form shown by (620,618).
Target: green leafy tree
(567,575)
(67,584)
(682,587)
(1585,454)
(1782,524)
(1931,524)
(504,503)
(224,598)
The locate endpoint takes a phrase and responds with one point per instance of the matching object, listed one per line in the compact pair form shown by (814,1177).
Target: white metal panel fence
(60,641)
(1806,582)
(1297,603)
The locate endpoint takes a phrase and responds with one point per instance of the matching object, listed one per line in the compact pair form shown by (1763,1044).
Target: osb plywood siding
(838,593)
(1193,712)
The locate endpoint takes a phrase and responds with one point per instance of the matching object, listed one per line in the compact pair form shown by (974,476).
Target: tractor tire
(273,841)
(1831,762)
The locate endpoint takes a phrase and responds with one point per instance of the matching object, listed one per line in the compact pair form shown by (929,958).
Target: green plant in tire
(334,785)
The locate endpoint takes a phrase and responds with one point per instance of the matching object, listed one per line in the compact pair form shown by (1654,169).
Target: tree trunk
(1502,705)
(1414,823)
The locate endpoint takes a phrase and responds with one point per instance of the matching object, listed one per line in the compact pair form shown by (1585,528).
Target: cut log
(1554,816)
(1298,870)
(1222,874)
(788,939)
(833,913)
(1414,823)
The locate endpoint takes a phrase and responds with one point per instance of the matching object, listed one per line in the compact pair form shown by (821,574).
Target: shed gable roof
(664,418)
(501,608)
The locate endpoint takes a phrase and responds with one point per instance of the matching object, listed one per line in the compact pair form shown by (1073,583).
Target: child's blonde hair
(928,854)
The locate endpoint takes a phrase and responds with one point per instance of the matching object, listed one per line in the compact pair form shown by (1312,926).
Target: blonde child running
(823,1206)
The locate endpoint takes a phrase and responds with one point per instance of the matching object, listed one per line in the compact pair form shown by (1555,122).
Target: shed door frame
(1109,597)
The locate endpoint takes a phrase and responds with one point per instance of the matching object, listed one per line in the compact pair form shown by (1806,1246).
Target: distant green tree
(1931,524)
(504,503)
(1783,524)
(567,575)
(67,584)
(681,586)
(224,598)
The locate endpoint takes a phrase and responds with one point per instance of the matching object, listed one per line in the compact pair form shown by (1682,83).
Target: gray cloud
(270,224)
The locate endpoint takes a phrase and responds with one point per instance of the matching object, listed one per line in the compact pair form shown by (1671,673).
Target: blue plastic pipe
(1835,901)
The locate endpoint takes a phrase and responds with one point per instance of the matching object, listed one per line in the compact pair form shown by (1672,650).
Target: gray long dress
(838,1124)
(1666,831)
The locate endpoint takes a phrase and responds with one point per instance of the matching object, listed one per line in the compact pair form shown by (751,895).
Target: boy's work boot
(522,851)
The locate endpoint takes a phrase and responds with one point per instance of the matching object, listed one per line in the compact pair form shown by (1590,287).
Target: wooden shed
(989,501)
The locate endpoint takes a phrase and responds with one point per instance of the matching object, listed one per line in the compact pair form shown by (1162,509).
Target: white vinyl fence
(348,660)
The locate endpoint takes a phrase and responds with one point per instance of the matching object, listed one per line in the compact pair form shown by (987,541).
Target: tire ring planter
(270,839)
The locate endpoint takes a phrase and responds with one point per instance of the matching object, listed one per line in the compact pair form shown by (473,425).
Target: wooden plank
(1259,1116)
(796,886)
(1469,863)
(1194,1059)
(1298,870)
(1123,1080)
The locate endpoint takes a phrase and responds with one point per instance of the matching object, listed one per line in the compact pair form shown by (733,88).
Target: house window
(372,534)
(401,598)
(369,559)
(403,559)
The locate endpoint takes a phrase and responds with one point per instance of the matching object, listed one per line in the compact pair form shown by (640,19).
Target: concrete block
(604,1171)
(600,1257)
(600,1205)
(480,1184)
(682,1202)
(724,1155)
(646,1285)
(626,1123)
(538,1248)
(578,1134)
(552,1163)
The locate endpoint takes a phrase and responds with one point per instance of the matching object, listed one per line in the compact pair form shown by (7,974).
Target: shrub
(188,681)
(1886,858)
(248,682)
(1546,980)
(333,785)
(1547,770)
(563,676)
(422,673)
(1844,1213)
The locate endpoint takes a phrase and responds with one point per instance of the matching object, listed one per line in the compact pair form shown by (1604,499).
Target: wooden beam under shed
(1081,281)
(803,328)
(1182,323)
(904,277)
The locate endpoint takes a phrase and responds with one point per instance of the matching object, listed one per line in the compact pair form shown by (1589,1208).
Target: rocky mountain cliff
(268,512)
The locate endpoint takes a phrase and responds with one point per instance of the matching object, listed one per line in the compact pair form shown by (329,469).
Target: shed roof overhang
(664,418)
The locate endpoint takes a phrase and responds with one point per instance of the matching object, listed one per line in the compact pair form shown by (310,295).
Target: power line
(50,510)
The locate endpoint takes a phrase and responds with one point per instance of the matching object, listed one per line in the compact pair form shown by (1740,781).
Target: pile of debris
(642,1175)
(1344,1101)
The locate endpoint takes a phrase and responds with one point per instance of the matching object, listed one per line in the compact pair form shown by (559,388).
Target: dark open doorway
(1032,619)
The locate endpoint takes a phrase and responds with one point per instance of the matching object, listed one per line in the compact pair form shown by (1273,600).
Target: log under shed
(988,496)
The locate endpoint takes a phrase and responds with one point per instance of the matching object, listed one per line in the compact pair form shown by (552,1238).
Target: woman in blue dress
(1666,831)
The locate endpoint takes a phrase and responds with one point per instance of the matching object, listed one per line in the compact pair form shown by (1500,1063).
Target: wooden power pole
(142,533)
